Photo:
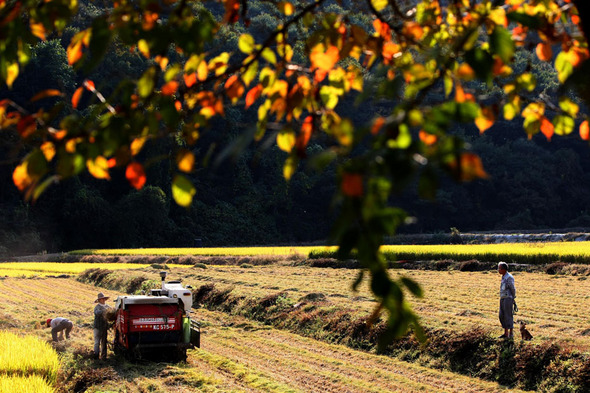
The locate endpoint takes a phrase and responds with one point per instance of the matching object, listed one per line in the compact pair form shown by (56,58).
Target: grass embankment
(459,312)
(27,364)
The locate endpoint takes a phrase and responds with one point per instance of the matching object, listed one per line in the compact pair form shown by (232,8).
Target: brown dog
(526,335)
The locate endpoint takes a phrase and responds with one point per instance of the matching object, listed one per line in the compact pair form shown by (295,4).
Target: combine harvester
(158,324)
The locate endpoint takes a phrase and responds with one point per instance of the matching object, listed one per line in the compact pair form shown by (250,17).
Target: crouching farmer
(59,325)
(100,327)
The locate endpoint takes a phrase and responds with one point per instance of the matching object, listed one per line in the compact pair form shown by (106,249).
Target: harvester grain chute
(157,324)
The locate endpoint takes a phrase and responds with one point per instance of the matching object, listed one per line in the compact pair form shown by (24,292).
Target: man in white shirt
(59,325)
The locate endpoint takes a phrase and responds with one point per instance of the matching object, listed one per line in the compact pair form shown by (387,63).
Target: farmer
(507,295)
(100,327)
(58,325)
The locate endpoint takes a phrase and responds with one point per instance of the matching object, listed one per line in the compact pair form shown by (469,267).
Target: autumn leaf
(286,140)
(377,124)
(426,138)
(38,30)
(183,190)
(246,43)
(89,85)
(185,160)
(253,95)
(45,94)
(190,79)
(76,97)
(137,145)
(352,185)
(11,74)
(585,130)
(234,88)
(20,176)
(485,119)
(470,167)
(379,4)
(135,174)
(144,48)
(324,60)
(48,149)
(305,135)
(99,167)
(170,88)
(547,128)
(543,51)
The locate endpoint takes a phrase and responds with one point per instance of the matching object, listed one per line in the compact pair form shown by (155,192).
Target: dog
(526,335)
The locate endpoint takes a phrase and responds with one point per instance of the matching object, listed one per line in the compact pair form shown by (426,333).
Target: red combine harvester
(158,324)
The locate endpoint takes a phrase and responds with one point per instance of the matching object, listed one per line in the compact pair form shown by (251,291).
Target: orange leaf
(234,88)
(178,105)
(185,160)
(45,94)
(426,138)
(485,120)
(413,30)
(253,95)
(58,135)
(352,185)
(382,29)
(305,135)
(459,93)
(547,128)
(575,19)
(26,126)
(112,162)
(135,174)
(377,125)
(324,60)
(99,168)
(20,177)
(38,30)
(470,167)
(544,51)
(48,149)
(76,97)
(170,88)
(74,52)
(585,130)
(465,72)
(190,79)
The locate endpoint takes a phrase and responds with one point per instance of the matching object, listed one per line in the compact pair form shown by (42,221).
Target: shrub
(200,265)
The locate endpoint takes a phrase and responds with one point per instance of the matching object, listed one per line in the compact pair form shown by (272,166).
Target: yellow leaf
(324,60)
(286,140)
(137,145)
(99,167)
(498,16)
(485,119)
(286,8)
(379,4)
(534,110)
(74,52)
(71,146)
(289,167)
(185,161)
(144,48)
(11,74)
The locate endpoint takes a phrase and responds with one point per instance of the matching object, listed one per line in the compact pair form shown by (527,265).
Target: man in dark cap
(100,327)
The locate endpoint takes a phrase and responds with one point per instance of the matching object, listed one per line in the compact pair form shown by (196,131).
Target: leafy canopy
(433,61)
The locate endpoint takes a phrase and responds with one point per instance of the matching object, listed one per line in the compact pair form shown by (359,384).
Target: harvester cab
(156,324)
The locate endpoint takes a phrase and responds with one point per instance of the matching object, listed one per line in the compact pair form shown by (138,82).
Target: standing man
(507,295)
(100,327)
(59,325)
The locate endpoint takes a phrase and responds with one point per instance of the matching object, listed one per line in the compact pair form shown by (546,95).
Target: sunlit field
(536,253)
(206,251)
(41,269)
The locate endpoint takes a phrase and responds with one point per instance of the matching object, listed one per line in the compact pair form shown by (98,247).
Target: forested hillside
(241,196)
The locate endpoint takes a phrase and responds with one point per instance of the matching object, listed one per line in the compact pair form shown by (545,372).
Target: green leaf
(527,81)
(412,286)
(448,82)
(511,110)
(568,106)
(145,85)
(250,74)
(532,22)
(564,125)
(532,125)
(481,62)
(501,43)
(329,96)
(183,190)
(246,43)
(100,40)
(563,66)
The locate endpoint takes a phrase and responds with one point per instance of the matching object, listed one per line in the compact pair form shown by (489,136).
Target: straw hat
(101,296)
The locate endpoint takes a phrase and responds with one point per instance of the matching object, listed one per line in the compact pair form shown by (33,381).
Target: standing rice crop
(28,384)
(24,356)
